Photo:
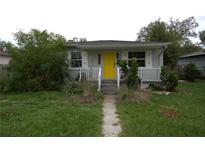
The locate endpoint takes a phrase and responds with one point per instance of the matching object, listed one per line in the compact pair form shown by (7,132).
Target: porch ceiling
(118,45)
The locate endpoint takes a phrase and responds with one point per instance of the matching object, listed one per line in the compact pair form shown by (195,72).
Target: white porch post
(84,59)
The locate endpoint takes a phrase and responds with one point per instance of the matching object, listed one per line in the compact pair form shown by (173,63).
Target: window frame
(138,59)
(76,59)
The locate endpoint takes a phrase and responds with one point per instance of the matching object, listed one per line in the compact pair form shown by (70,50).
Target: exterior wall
(4,60)
(90,58)
(93,59)
(148,58)
(199,61)
(157,58)
(84,59)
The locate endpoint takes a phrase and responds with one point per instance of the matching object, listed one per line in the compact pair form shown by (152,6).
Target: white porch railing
(149,74)
(88,74)
(118,77)
(99,79)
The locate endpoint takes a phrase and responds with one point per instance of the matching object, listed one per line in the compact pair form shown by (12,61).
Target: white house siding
(84,59)
(93,59)
(199,61)
(157,58)
(148,58)
(124,55)
(4,60)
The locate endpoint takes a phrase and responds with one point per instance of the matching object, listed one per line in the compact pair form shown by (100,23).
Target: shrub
(169,79)
(85,92)
(73,88)
(191,72)
(39,62)
(133,80)
(140,96)
(130,74)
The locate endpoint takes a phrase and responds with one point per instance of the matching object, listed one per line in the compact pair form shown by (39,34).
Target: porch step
(109,86)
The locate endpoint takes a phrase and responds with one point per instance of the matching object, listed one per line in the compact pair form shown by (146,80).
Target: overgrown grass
(48,114)
(177,114)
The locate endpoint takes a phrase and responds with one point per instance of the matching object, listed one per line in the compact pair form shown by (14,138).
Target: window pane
(76,55)
(99,59)
(140,54)
(131,55)
(76,63)
(137,55)
(141,63)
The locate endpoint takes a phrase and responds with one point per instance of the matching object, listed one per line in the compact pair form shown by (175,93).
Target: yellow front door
(109,65)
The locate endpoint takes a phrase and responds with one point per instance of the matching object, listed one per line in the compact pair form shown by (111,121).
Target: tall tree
(7,46)
(175,31)
(202,37)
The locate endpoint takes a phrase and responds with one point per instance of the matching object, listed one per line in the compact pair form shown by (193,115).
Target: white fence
(149,74)
(89,74)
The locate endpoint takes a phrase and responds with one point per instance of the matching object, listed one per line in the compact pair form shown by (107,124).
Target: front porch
(146,75)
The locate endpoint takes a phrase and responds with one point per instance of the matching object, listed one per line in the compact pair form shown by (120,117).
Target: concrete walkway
(111,125)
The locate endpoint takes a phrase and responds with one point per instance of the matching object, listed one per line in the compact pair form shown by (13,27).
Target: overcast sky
(93,19)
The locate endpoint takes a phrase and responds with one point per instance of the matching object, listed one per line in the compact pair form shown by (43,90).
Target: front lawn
(181,114)
(48,114)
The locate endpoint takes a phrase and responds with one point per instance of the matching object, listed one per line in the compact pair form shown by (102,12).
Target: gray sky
(93,19)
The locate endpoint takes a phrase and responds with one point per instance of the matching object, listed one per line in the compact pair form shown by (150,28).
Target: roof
(192,54)
(117,44)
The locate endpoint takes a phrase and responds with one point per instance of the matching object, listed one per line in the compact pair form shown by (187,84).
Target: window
(140,57)
(76,59)
(99,59)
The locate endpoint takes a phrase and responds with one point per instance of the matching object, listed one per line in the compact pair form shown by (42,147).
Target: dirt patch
(168,112)
(183,91)
(86,98)
(139,95)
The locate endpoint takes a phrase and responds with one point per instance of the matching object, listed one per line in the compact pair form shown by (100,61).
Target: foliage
(175,31)
(202,37)
(86,91)
(191,72)
(169,79)
(7,47)
(124,68)
(176,114)
(73,88)
(130,73)
(39,62)
(139,96)
(133,80)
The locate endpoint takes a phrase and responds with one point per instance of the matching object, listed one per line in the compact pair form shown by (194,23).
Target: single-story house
(4,58)
(98,60)
(197,58)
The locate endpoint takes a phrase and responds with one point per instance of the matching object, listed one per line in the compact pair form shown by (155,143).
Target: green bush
(133,80)
(169,79)
(191,72)
(73,88)
(130,74)
(38,63)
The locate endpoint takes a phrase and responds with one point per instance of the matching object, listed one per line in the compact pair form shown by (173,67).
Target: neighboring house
(4,58)
(197,58)
(98,60)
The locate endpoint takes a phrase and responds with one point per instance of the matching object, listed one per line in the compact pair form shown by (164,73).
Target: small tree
(169,79)
(133,80)
(130,73)
(191,72)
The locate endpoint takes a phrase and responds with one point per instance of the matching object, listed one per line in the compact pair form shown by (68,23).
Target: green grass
(140,119)
(48,114)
